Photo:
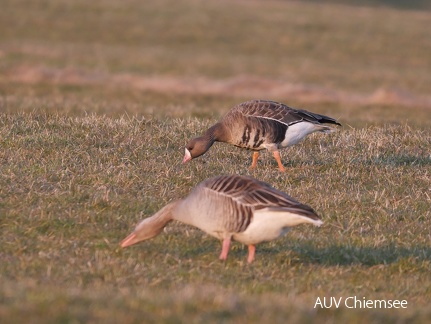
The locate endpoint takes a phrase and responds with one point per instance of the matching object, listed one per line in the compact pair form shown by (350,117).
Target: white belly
(296,132)
(268,225)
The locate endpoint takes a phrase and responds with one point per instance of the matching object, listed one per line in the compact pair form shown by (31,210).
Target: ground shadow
(399,4)
(401,160)
(367,256)
(337,254)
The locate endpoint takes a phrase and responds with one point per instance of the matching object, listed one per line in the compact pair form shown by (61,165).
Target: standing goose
(230,207)
(258,125)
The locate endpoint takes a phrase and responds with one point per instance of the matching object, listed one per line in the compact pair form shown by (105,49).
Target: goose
(230,207)
(258,125)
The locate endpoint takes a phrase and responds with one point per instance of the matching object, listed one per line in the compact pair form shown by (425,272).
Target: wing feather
(282,113)
(244,194)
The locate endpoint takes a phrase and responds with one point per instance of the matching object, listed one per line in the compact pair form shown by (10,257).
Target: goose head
(196,147)
(150,227)
(143,231)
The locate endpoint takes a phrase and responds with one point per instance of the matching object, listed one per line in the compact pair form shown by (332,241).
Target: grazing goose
(258,125)
(231,207)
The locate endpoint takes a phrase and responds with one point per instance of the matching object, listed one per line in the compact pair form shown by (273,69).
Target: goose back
(279,112)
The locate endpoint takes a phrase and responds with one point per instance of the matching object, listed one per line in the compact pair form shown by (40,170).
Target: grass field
(96,103)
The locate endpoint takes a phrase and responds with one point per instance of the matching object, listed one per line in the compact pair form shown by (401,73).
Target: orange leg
(254,161)
(278,159)
(251,251)
(225,248)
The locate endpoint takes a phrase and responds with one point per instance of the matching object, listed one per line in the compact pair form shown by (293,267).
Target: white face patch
(187,155)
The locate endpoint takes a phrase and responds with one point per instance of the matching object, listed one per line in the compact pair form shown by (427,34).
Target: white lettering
(368,303)
(328,303)
(318,302)
(380,303)
(324,303)
(355,302)
(345,302)
(339,302)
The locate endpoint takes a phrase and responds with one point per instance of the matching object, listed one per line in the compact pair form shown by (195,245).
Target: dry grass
(73,187)
(97,101)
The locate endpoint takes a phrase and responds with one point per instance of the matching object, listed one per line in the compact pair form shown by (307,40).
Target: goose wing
(282,113)
(241,196)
